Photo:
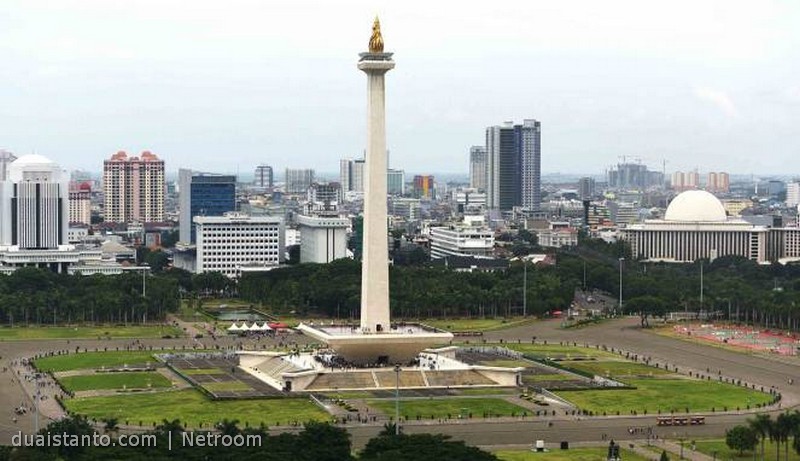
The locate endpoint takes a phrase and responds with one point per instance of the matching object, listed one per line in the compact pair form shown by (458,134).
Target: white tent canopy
(234,327)
(265,327)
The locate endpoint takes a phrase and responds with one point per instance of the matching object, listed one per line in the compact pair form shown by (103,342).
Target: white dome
(32,159)
(695,206)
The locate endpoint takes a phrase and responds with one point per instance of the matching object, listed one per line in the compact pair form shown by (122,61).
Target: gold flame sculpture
(376,41)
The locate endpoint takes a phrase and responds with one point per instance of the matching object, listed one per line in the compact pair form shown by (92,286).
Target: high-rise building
(718,182)
(263,178)
(351,175)
(424,187)
(513,165)
(586,188)
(80,205)
(34,204)
(528,140)
(6,158)
(133,188)
(298,180)
(235,242)
(502,166)
(203,194)
(634,176)
(477,167)
(685,181)
(395,182)
(793,194)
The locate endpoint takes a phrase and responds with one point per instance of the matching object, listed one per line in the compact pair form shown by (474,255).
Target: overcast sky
(224,85)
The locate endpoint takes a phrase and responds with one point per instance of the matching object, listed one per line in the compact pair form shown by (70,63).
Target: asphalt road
(621,333)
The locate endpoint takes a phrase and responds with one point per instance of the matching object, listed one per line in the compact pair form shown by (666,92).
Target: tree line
(32,295)
(334,290)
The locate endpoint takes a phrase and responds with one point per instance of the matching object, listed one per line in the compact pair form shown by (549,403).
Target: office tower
(503,168)
(395,182)
(351,175)
(80,205)
(6,158)
(793,194)
(235,243)
(298,180)
(34,206)
(513,165)
(133,188)
(633,176)
(203,194)
(477,167)
(263,178)
(528,140)
(586,188)
(424,187)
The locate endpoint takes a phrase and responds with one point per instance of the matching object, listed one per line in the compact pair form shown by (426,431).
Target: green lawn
(201,371)
(488,391)
(557,352)
(510,363)
(94,360)
(192,408)
(615,369)
(440,408)
(665,395)
(86,332)
(475,324)
(577,454)
(547,377)
(132,380)
(725,453)
(227,386)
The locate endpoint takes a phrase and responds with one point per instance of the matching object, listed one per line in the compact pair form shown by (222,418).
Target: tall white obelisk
(375,262)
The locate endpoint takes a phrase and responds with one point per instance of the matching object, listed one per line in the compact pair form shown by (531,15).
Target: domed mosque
(695,226)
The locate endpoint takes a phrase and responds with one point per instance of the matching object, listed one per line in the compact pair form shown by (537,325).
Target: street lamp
(397,400)
(525,287)
(621,260)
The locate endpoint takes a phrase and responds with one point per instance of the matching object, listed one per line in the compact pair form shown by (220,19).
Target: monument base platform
(399,345)
(322,372)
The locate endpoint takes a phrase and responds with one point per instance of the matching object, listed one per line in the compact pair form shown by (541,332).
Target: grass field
(558,352)
(488,391)
(132,380)
(202,371)
(475,324)
(723,452)
(506,363)
(94,360)
(226,386)
(440,408)
(192,408)
(86,332)
(547,377)
(616,369)
(577,454)
(665,395)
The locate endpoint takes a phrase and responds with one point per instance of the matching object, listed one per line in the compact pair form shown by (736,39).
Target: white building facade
(324,238)
(461,241)
(696,226)
(229,243)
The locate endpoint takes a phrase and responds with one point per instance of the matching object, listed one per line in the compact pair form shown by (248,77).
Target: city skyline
(708,86)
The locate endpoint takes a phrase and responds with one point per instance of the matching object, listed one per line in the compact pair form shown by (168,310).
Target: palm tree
(111,425)
(761,425)
(785,423)
(170,426)
(228,427)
